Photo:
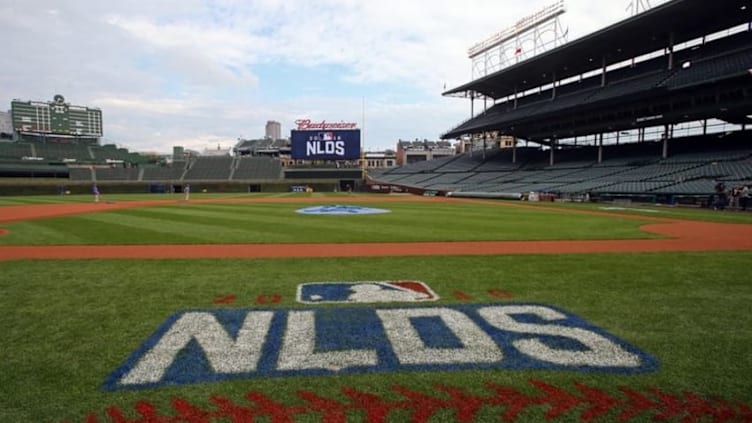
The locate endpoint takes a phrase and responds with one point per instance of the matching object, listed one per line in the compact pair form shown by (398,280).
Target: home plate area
(395,327)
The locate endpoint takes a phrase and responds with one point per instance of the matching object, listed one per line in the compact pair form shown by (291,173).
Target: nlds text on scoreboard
(326,144)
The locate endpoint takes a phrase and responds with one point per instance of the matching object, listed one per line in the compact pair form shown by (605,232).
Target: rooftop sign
(307,125)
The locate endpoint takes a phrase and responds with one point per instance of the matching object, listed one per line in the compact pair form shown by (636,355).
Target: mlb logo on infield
(365,292)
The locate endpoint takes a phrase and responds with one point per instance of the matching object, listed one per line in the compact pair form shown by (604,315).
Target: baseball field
(359,308)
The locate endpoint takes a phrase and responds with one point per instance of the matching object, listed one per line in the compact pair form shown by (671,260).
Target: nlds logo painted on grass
(339,209)
(365,292)
(214,345)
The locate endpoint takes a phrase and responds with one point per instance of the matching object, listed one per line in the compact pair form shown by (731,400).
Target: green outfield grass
(69,324)
(259,222)
(657,210)
(105,198)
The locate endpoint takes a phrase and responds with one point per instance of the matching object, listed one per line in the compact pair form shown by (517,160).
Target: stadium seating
(699,163)
(730,65)
(209,168)
(444,180)
(32,169)
(80,174)
(730,170)
(700,186)
(117,174)
(164,173)
(430,165)
(715,60)
(256,168)
(101,154)
(459,163)
(73,152)
(634,187)
(15,150)
(61,151)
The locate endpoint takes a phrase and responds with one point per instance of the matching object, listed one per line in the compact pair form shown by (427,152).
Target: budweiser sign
(307,125)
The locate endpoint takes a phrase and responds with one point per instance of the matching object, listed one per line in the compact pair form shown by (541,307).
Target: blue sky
(198,73)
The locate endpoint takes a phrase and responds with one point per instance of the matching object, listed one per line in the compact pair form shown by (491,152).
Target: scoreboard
(326,145)
(325,141)
(56,117)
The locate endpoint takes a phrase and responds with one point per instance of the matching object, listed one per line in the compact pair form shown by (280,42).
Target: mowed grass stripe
(276,223)
(279,223)
(101,229)
(409,221)
(43,232)
(238,224)
(166,230)
(20,201)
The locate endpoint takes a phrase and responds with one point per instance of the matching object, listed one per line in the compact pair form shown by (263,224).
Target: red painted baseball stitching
(551,401)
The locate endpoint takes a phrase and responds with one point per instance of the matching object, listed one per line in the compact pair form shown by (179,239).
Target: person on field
(95,191)
(187,192)
(735,194)
(721,196)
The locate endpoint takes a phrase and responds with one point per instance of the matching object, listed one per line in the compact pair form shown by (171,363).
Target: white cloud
(186,72)
(156,106)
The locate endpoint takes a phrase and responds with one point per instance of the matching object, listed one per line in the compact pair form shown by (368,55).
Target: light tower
(530,36)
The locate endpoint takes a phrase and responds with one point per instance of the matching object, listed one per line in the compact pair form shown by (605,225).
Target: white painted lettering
(601,352)
(477,346)
(314,148)
(224,354)
(299,343)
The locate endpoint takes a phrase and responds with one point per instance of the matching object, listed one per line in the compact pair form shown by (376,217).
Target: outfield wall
(52,186)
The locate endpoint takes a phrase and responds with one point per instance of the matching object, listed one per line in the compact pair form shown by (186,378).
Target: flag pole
(362,141)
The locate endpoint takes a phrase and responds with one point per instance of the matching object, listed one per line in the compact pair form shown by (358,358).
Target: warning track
(680,235)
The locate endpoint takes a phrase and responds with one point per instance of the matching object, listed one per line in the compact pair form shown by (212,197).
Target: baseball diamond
(681,235)
(252,333)
(569,241)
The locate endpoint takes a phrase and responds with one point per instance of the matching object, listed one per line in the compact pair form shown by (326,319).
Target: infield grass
(269,222)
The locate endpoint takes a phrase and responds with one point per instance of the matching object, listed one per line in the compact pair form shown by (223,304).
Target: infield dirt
(680,235)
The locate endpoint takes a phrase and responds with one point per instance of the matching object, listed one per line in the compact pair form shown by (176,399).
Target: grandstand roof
(641,34)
